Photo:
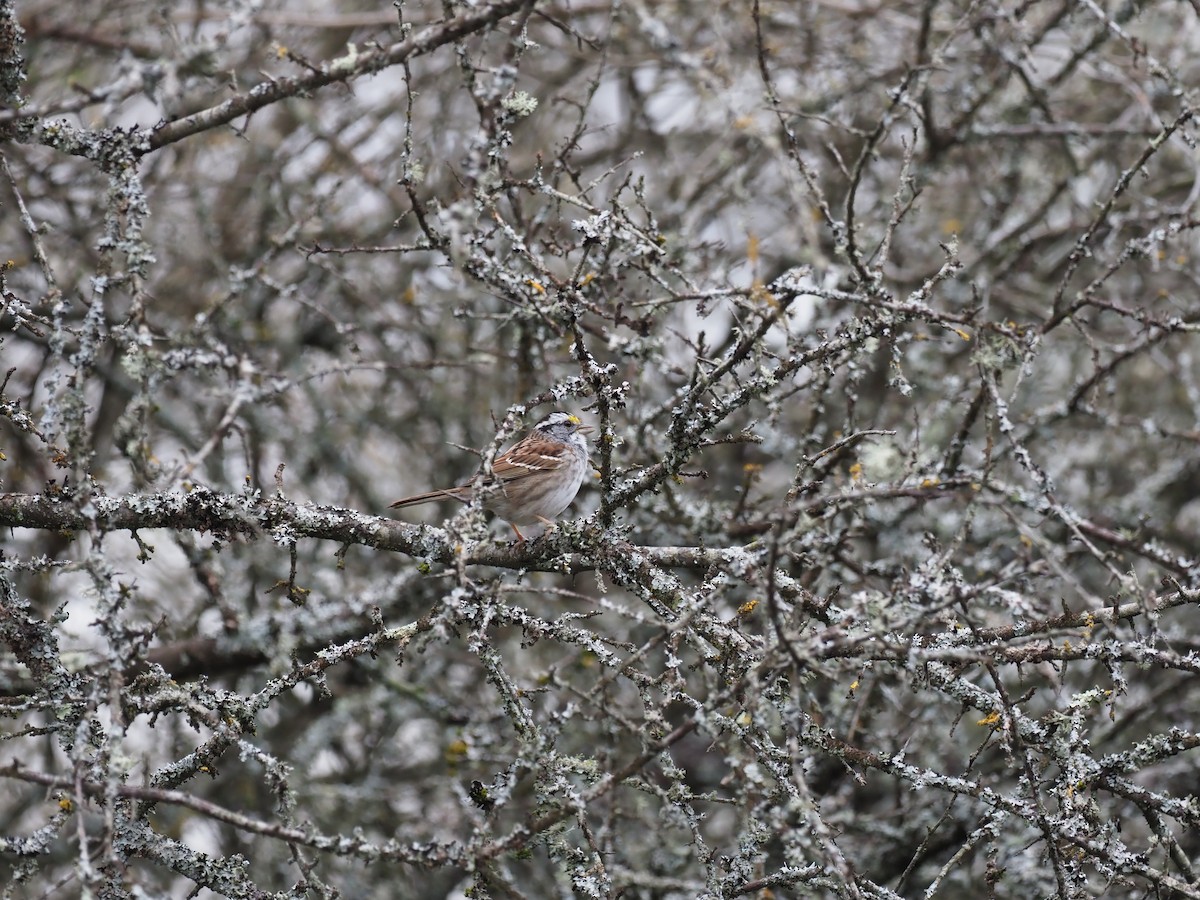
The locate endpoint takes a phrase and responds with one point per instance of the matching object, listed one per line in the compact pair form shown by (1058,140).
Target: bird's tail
(430,496)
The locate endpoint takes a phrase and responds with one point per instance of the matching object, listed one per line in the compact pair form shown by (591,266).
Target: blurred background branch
(884,316)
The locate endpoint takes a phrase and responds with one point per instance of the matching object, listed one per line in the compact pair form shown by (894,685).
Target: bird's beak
(580,428)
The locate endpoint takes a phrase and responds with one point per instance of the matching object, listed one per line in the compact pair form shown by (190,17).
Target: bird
(532,481)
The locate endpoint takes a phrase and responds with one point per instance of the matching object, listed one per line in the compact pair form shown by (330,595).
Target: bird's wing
(523,459)
(515,466)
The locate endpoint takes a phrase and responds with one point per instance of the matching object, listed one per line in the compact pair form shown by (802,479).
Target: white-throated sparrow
(533,480)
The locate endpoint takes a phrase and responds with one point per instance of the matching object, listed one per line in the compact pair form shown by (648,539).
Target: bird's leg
(520,537)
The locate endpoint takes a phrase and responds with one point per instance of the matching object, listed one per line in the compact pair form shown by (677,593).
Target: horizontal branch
(571,549)
(305,836)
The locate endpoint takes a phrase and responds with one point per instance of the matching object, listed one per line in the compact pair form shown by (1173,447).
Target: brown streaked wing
(528,460)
